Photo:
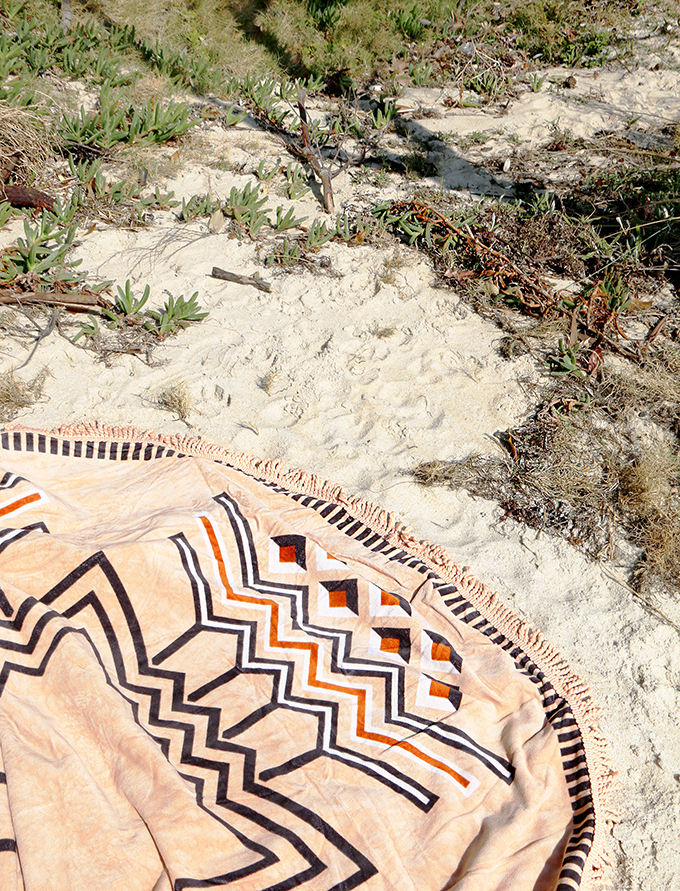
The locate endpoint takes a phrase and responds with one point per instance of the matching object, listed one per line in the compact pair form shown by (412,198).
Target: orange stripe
(15,505)
(313,649)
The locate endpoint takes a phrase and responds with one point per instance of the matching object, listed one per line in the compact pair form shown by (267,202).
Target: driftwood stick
(313,159)
(24,196)
(241,279)
(78,302)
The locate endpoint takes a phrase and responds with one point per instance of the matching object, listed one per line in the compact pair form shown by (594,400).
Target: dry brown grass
(16,394)
(581,477)
(650,500)
(175,399)
(653,388)
(24,143)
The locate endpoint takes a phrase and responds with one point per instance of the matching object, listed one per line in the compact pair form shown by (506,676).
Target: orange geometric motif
(19,503)
(387,599)
(440,652)
(287,554)
(313,649)
(390,645)
(438,689)
(337,598)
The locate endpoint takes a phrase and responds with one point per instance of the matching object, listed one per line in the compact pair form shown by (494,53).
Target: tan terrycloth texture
(208,681)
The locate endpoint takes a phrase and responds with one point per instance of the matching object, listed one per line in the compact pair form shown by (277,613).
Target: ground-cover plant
(505,253)
(296,180)
(420,72)
(182,68)
(637,209)
(39,259)
(177,313)
(547,31)
(286,254)
(127,325)
(5,212)
(117,121)
(286,220)
(117,201)
(382,114)
(198,206)
(200,45)
(350,228)
(246,206)
(92,50)
(271,100)
(37,44)
(325,13)
(128,310)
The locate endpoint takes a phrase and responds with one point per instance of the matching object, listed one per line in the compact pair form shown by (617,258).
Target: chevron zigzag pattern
(213,676)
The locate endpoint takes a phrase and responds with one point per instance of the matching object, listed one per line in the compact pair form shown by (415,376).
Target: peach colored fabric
(211,675)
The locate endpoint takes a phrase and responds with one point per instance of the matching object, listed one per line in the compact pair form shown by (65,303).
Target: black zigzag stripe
(463,610)
(344,664)
(39,670)
(153,694)
(7,536)
(9,480)
(180,706)
(247,661)
(326,711)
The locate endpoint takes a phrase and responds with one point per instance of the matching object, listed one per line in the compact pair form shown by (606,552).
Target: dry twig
(241,279)
(313,158)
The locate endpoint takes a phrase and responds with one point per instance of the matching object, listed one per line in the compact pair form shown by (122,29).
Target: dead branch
(313,158)
(241,279)
(76,302)
(24,196)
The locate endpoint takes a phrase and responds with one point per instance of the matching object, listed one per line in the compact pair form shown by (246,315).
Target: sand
(361,369)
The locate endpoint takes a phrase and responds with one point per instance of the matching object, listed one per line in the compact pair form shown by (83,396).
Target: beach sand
(360,369)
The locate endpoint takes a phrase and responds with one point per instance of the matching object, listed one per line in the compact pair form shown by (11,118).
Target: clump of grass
(383,332)
(555,474)
(653,389)
(575,470)
(16,394)
(649,496)
(391,264)
(267,380)
(24,143)
(175,399)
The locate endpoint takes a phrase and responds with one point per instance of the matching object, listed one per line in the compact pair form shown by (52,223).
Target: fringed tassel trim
(566,683)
